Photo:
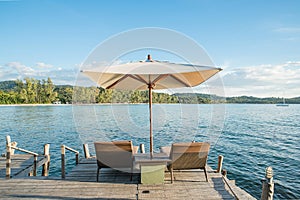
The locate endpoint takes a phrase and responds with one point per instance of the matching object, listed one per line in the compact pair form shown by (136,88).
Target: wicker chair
(117,155)
(191,155)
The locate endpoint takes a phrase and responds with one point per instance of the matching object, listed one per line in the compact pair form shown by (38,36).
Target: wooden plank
(80,183)
(55,189)
(21,164)
(41,160)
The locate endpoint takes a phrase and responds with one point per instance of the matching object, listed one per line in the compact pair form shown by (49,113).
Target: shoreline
(106,104)
(34,104)
(83,104)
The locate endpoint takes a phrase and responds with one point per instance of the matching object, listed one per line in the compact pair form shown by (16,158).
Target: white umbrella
(150,75)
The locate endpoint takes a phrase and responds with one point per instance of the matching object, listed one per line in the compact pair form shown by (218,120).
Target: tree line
(29,91)
(33,91)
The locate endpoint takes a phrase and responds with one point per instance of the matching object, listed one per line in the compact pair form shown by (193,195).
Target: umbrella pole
(150,118)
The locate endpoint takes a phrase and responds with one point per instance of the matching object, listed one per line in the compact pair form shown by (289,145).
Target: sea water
(250,137)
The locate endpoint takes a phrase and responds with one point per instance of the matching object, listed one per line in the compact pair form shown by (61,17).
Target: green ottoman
(152,174)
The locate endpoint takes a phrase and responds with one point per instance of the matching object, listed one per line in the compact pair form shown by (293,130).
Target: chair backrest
(192,155)
(116,154)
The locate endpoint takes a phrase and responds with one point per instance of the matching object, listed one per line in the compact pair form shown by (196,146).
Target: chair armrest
(135,149)
(166,150)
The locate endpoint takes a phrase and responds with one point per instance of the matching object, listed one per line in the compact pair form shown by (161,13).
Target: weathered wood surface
(21,164)
(81,183)
(63,189)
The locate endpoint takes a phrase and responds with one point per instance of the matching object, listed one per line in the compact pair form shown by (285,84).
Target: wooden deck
(81,183)
(21,164)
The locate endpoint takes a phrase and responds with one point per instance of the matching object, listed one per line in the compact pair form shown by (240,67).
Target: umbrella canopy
(149,75)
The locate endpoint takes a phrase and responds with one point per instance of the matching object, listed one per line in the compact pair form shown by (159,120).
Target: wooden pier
(18,180)
(81,183)
(21,165)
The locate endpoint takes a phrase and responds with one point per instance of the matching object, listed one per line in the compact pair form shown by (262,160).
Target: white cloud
(264,80)
(43,65)
(288,30)
(295,63)
(20,69)
(17,70)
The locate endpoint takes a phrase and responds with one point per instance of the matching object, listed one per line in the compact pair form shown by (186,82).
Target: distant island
(33,91)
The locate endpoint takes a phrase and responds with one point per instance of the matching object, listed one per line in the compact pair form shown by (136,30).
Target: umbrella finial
(149,59)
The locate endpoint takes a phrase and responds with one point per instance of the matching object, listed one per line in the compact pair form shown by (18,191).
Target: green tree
(30,93)
(49,91)
(64,94)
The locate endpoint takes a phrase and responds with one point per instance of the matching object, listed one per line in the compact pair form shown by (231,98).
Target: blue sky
(255,42)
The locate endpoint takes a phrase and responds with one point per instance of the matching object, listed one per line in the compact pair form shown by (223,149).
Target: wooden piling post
(46,166)
(63,152)
(8,157)
(86,151)
(13,144)
(77,158)
(224,172)
(142,148)
(268,185)
(35,165)
(220,164)
(63,159)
